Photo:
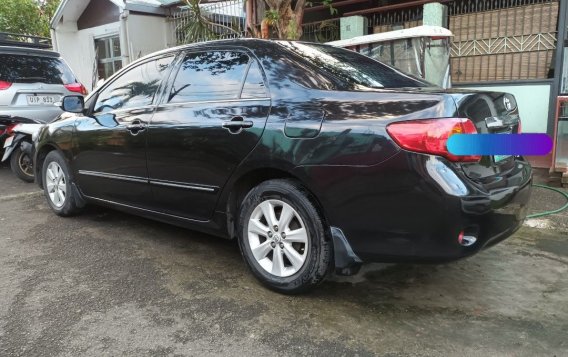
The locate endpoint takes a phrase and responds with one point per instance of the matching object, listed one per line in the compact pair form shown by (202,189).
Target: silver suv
(32,80)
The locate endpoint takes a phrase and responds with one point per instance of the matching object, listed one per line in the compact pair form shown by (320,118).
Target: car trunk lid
(492,113)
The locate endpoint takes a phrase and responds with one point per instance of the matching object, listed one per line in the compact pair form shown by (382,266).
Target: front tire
(57,185)
(282,237)
(22,165)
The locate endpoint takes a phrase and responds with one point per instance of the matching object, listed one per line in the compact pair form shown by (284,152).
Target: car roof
(250,43)
(25,51)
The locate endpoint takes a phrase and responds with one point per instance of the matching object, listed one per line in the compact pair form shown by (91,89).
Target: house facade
(98,37)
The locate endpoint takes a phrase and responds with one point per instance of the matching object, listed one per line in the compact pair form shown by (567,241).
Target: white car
(32,80)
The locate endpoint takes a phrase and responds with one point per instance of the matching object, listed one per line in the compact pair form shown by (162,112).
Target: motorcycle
(18,146)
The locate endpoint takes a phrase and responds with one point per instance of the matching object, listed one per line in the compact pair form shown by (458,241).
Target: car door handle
(237,124)
(136,126)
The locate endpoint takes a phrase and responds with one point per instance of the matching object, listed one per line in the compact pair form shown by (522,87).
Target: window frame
(159,92)
(184,53)
(113,58)
(247,70)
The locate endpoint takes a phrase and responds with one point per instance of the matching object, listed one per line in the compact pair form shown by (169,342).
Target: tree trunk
(289,23)
(265,29)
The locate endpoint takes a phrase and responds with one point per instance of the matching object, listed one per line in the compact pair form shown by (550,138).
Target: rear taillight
(77,88)
(430,136)
(10,129)
(519,127)
(5,85)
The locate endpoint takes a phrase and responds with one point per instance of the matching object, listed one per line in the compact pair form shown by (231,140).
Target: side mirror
(72,104)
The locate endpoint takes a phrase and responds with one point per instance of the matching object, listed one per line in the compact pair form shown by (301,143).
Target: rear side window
(214,75)
(353,69)
(254,84)
(134,88)
(32,69)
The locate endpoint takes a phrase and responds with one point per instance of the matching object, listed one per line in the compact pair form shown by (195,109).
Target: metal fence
(221,19)
(329,30)
(393,20)
(321,31)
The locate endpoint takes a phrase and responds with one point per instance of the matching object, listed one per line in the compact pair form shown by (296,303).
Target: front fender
(57,135)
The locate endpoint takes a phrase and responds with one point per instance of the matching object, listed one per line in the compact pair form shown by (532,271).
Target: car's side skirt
(216,226)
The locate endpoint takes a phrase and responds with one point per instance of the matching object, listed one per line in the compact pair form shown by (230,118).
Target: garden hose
(546,213)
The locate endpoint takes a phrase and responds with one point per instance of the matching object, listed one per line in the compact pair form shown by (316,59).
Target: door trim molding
(155,182)
(113,176)
(176,184)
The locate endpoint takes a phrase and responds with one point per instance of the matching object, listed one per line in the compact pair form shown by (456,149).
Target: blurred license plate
(498,158)
(41,99)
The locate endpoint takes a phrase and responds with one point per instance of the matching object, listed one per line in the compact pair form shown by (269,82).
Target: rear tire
(282,237)
(57,185)
(22,165)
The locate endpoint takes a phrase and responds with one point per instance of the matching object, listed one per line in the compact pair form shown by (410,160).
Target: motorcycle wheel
(22,165)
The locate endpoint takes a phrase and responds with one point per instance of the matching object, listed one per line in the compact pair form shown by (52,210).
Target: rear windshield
(353,68)
(31,69)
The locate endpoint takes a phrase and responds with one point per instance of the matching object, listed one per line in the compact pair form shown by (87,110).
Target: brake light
(519,127)
(77,88)
(5,85)
(10,129)
(430,136)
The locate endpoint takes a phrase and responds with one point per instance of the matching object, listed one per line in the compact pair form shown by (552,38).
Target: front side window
(215,75)
(134,88)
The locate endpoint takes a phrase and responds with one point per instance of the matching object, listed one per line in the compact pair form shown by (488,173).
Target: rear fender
(30,129)
(17,141)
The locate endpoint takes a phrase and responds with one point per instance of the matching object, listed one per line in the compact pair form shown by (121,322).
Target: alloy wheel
(278,238)
(26,166)
(56,184)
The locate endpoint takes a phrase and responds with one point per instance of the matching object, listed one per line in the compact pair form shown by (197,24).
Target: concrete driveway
(106,284)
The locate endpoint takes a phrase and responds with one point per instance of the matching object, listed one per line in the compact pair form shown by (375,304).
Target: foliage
(287,16)
(27,17)
(271,17)
(199,27)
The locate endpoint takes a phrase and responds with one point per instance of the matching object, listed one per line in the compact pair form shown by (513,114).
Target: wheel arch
(241,185)
(40,156)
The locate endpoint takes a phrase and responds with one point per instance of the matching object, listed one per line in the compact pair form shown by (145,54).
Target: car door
(211,116)
(110,159)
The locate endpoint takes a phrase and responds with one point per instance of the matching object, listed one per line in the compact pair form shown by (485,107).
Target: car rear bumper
(402,211)
(44,114)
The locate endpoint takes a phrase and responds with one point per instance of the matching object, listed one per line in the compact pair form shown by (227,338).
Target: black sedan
(315,158)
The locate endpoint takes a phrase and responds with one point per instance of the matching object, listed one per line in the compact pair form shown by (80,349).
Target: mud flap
(346,261)
(80,201)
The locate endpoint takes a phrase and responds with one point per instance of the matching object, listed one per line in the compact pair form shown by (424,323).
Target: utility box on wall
(353,26)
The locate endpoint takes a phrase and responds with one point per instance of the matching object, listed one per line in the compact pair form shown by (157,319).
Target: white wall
(146,34)
(78,47)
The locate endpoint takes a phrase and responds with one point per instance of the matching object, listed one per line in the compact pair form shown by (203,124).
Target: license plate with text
(41,99)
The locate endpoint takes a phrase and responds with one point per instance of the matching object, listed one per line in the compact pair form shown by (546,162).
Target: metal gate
(502,40)
(219,20)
